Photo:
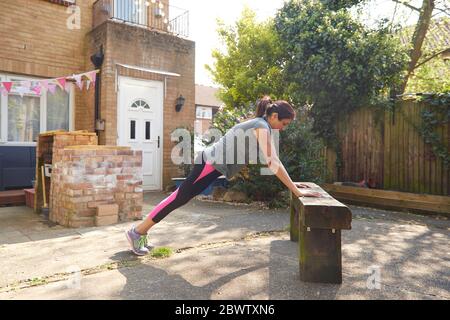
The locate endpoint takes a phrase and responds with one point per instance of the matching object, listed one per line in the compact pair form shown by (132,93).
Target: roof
(207,96)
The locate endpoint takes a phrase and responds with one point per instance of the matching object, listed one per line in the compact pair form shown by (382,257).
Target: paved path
(225,251)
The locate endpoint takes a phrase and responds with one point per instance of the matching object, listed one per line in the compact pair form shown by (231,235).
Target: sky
(203,15)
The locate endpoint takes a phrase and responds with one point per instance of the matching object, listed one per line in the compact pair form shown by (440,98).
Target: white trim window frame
(144,129)
(203,112)
(135,131)
(42,116)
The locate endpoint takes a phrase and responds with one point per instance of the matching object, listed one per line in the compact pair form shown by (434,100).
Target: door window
(147,130)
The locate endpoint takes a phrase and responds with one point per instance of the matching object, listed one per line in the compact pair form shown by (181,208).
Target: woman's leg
(198,180)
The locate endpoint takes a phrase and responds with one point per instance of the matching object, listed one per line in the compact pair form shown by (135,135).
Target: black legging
(201,176)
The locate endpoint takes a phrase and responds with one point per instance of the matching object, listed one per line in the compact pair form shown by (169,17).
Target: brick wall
(86,179)
(148,49)
(203,125)
(36,42)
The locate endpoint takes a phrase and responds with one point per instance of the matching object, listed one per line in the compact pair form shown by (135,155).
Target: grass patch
(37,282)
(162,252)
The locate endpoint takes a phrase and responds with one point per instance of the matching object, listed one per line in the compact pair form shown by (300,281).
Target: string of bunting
(86,79)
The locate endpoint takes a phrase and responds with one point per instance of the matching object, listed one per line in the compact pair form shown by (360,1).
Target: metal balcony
(151,14)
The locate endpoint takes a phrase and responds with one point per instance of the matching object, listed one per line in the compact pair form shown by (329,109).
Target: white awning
(166,73)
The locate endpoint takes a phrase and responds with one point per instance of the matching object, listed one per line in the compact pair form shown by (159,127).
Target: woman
(269,116)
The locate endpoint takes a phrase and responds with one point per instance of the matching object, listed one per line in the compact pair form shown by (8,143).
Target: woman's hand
(270,154)
(311,194)
(301,185)
(305,193)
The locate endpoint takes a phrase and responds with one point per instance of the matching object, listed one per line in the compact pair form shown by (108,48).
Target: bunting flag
(78,79)
(92,76)
(26,84)
(61,82)
(8,86)
(22,90)
(37,87)
(52,88)
(44,84)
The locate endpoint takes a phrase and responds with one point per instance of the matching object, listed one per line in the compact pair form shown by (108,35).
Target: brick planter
(86,177)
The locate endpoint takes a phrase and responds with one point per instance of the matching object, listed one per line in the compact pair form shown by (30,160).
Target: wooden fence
(386,147)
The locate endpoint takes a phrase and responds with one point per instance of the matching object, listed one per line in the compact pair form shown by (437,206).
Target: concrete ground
(221,251)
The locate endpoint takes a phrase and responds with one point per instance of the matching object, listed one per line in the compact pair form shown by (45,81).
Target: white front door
(140,124)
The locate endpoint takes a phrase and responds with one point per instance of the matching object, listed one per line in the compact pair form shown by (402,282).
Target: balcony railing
(152,14)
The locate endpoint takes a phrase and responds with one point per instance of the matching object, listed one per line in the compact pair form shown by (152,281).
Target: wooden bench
(317,223)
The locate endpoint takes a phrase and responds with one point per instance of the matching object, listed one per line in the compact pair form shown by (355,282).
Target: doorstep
(12,197)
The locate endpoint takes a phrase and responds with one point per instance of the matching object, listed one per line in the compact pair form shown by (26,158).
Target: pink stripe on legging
(163,204)
(207,169)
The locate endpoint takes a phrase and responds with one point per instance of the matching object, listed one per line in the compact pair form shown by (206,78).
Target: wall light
(179,103)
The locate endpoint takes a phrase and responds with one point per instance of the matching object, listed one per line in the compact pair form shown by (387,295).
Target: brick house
(148,63)
(206,106)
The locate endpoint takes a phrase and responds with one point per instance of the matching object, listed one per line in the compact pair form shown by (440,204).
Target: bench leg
(294,223)
(320,255)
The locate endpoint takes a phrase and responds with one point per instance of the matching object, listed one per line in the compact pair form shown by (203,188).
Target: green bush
(300,152)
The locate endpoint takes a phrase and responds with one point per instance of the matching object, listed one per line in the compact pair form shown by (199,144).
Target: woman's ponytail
(262,105)
(265,107)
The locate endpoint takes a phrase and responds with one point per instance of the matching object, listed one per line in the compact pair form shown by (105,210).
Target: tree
(251,65)
(418,37)
(341,4)
(428,10)
(432,76)
(336,63)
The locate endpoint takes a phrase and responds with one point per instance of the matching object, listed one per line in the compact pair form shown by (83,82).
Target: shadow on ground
(268,269)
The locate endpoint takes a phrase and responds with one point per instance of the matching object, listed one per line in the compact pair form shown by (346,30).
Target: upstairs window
(204,113)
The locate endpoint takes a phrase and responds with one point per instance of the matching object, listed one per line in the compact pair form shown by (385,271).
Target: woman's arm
(268,149)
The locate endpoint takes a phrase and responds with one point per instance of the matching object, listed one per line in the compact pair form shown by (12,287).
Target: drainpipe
(97,60)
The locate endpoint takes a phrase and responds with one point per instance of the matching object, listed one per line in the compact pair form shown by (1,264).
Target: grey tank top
(236,149)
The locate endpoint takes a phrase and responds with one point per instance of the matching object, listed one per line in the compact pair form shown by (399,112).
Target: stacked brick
(106,214)
(49,149)
(84,178)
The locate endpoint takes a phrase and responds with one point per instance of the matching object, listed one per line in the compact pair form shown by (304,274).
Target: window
(58,110)
(204,113)
(147,130)
(131,11)
(132,129)
(24,114)
(23,118)
(140,104)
